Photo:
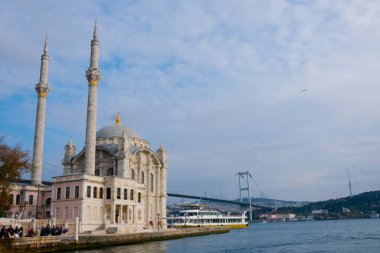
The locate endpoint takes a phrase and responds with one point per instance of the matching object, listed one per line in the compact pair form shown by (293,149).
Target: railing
(26,224)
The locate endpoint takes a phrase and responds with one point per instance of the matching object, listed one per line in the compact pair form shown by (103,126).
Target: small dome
(116,130)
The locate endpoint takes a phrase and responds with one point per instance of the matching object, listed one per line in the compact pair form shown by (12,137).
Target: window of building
(151,182)
(10,200)
(101,192)
(139,214)
(125,194)
(59,193)
(30,199)
(67,192)
(132,193)
(118,193)
(108,193)
(142,177)
(88,191)
(76,194)
(95,193)
(29,215)
(66,214)
(48,201)
(97,172)
(76,212)
(110,172)
(139,197)
(132,173)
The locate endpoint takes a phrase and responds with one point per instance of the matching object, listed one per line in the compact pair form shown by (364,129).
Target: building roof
(116,130)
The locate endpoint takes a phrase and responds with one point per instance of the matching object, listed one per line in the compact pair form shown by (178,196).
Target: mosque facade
(116,180)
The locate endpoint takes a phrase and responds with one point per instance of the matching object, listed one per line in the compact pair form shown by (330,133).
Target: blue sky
(218,83)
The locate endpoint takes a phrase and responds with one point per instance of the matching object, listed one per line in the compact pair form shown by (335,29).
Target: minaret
(42,89)
(93,76)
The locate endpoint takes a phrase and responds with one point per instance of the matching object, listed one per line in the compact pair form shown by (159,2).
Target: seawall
(57,244)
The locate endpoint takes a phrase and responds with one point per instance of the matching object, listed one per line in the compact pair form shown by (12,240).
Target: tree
(14,162)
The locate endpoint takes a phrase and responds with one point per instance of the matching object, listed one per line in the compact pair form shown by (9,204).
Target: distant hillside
(359,205)
(276,203)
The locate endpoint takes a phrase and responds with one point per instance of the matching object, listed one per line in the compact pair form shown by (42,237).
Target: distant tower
(93,76)
(349,183)
(42,89)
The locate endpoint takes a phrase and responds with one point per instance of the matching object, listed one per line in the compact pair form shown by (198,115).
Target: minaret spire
(42,89)
(96,29)
(93,76)
(46,45)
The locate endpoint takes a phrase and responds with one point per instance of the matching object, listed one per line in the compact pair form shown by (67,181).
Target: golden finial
(118,119)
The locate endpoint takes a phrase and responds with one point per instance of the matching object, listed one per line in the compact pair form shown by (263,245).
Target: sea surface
(308,236)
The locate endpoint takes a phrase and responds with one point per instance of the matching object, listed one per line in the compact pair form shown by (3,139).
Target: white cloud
(218,83)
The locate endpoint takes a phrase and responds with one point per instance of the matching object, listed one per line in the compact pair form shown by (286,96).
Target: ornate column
(161,152)
(42,89)
(113,213)
(157,190)
(93,76)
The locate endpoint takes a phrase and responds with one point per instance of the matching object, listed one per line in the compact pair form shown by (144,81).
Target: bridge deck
(216,200)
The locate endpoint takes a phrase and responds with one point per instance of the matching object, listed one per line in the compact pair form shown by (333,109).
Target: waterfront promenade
(93,241)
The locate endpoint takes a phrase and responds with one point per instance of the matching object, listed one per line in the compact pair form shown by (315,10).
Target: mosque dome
(116,130)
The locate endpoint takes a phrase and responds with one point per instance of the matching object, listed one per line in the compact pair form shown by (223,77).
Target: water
(293,237)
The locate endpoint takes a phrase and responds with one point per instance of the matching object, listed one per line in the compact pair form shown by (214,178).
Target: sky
(288,90)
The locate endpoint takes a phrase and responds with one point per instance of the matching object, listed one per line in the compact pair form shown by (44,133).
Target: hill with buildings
(361,205)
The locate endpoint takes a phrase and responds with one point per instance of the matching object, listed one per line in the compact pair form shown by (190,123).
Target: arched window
(142,177)
(118,193)
(132,173)
(139,197)
(67,192)
(101,192)
(110,172)
(151,182)
(95,192)
(125,194)
(76,194)
(132,194)
(30,199)
(58,193)
(108,193)
(88,191)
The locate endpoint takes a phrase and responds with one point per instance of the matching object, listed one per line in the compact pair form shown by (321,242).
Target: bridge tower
(244,177)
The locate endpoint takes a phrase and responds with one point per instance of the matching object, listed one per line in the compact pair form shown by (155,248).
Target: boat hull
(231,226)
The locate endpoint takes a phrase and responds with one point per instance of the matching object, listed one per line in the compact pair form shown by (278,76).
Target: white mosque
(116,181)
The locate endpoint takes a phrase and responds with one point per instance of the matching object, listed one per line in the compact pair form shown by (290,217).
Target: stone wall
(56,244)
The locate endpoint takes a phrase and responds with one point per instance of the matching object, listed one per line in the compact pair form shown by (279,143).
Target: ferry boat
(209,218)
